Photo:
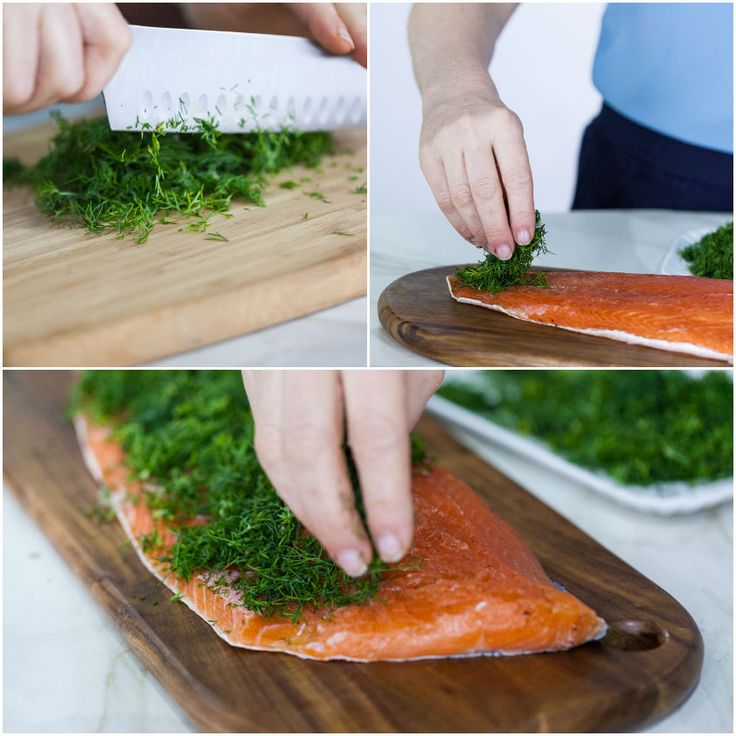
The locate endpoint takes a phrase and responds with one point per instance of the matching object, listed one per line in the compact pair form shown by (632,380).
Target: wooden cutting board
(73,299)
(418,312)
(645,668)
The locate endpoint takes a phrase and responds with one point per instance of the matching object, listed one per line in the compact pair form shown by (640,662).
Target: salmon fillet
(683,314)
(475,586)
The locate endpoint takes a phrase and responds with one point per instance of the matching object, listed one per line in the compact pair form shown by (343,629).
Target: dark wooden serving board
(644,669)
(418,312)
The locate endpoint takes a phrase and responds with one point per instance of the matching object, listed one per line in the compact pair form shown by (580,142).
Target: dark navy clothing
(625,165)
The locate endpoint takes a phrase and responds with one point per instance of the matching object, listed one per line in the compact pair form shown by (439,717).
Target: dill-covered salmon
(684,314)
(175,451)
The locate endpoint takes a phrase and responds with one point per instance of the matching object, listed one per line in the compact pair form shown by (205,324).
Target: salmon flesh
(682,314)
(470,585)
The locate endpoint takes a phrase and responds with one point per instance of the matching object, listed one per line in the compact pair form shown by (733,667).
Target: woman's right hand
(473,154)
(59,52)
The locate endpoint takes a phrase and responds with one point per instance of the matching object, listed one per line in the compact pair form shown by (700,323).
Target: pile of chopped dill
(639,427)
(125,182)
(493,275)
(190,435)
(712,255)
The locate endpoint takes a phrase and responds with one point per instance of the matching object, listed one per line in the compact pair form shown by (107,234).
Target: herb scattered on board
(494,275)
(191,433)
(123,182)
(639,427)
(712,255)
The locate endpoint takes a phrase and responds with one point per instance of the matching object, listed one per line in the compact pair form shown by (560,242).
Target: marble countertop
(67,667)
(634,241)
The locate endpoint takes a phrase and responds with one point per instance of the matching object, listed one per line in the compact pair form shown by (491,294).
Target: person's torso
(669,67)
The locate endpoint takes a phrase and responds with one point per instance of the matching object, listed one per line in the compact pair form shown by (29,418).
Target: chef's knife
(242,81)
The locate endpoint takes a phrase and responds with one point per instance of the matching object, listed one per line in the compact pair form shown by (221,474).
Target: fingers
(461,196)
(434,171)
(421,385)
(326,26)
(378,433)
(20,55)
(355,16)
(107,38)
(487,194)
(516,175)
(299,436)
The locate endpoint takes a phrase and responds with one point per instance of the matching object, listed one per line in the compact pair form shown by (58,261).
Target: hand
(300,419)
(59,52)
(341,28)
(473,153)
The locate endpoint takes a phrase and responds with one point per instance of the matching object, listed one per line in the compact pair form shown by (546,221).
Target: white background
(542,68)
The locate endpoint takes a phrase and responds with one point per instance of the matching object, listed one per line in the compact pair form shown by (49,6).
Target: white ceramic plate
(666,499)
(673,264)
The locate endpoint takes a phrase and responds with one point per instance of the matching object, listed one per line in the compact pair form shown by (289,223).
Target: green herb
(639,427)
(342,232)
(712,255)
(318,196)
(362,189)
(289,184)
(494,275)
(306,216)
(190,435)
(124,182)
(176,597)
(217,236)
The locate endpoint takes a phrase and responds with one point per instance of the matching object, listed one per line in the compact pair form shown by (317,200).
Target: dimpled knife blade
(241,81)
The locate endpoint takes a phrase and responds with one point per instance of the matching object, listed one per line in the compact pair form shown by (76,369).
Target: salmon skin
(682,314)
(469,586)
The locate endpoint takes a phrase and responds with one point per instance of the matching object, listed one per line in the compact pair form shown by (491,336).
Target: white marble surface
(633,241)
(331,338)
(67,668)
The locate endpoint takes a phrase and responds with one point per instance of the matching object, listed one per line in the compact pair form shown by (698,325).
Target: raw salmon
(470,584)
(683,314)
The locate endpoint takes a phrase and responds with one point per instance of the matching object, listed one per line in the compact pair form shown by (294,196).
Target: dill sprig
(125,182)
(639,427)
(712,255)
(494,275)
(190,435)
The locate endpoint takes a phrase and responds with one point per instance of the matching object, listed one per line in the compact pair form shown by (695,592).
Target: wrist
(465,84)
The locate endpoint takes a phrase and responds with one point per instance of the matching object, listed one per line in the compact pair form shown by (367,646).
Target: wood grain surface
(646,666)
(73,299)
(419,313)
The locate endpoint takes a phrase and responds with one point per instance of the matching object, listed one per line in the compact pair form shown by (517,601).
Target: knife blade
(242,81)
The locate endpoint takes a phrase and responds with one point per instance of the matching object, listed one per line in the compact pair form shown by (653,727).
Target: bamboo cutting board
(72,299)
(419,313)
(645,668)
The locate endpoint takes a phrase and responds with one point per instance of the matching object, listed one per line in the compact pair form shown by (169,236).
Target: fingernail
(389,547)
(503,252)
(345,36)
(351,561)
(523,237)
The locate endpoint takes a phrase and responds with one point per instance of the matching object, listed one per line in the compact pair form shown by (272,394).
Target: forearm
(452,44)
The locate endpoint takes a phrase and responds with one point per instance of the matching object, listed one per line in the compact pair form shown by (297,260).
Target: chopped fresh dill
(318,196)
(344,233)
(217,236)
(639,427)
(123,182)
(362,189)
(712,255)
(289,184)
(494,275)
(305,216)
(176,597)
(189,435)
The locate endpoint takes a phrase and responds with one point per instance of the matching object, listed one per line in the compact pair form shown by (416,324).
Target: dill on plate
(639,427)
(126,182)
(712,255)
(493,275)
(190,434)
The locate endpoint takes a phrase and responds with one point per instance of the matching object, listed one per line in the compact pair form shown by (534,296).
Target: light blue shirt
(669,67)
